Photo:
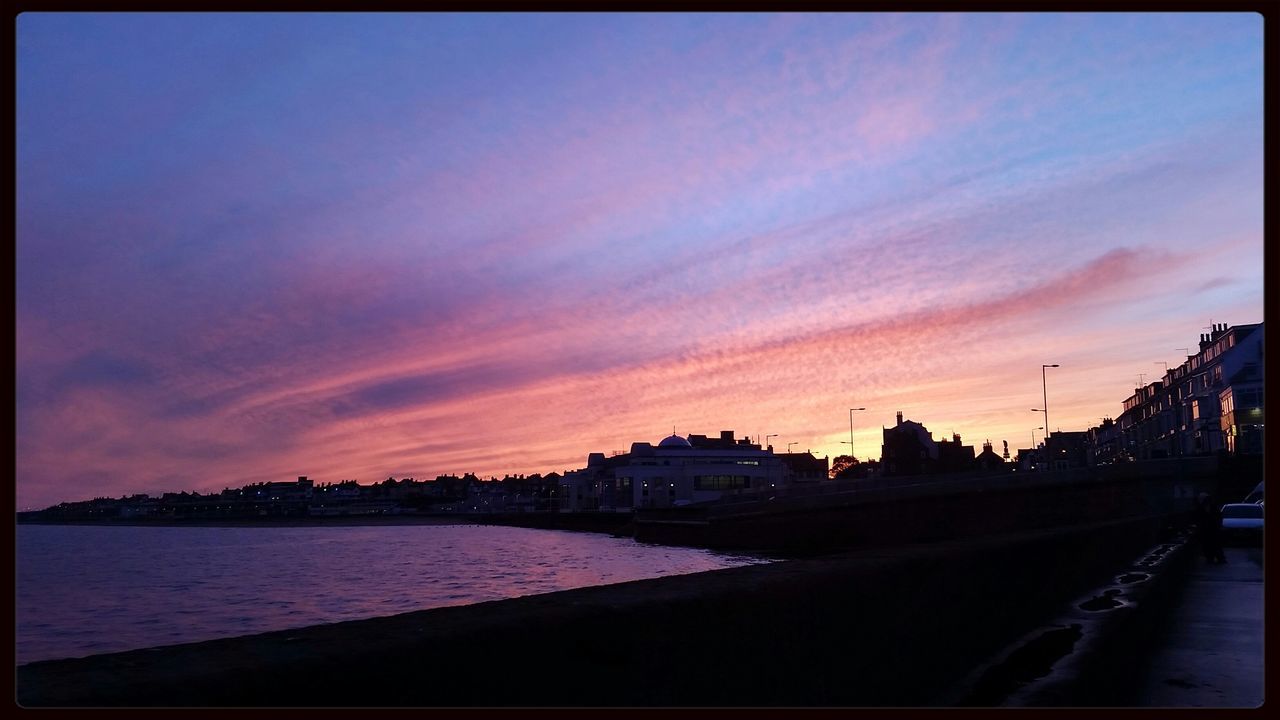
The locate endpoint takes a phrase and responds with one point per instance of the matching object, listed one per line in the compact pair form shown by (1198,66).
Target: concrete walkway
(1209,654)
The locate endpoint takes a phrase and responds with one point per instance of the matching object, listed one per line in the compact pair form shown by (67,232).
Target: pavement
(1210,652)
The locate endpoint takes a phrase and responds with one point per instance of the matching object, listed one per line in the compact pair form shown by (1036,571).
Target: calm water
(89,590)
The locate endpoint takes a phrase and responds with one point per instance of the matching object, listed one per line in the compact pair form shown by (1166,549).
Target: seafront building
(684,470)
(1211,403)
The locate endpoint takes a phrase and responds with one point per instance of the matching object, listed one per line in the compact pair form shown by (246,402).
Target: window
(1249,398)
(721,482)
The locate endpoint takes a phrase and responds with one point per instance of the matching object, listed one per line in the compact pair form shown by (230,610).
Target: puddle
(1031,661)
(1130,578)
(1105,601)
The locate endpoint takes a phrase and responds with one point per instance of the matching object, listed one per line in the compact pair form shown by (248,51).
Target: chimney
(726,435)
(955,437)
(899,417)
(1204,342)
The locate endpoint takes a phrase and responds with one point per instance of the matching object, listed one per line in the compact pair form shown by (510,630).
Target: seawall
(914,510)
(883,627)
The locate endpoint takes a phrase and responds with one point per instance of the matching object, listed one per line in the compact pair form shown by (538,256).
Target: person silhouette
(1209,523)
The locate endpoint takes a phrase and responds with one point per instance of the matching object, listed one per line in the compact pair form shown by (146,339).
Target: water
(85,590)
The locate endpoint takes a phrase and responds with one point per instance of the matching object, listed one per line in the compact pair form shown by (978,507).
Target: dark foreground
(1209,649)
(886,627)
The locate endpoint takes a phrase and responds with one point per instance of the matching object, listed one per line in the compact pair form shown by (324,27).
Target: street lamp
(789,446)
(851,410)
(1044,385)
(766,439)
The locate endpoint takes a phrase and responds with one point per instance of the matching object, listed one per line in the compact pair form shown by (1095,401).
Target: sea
(84,590)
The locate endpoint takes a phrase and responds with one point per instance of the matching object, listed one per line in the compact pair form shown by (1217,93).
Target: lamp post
(766,438)
(1044,385)
(851,411)
(789,446)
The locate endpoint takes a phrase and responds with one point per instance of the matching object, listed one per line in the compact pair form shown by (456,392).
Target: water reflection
(89,590)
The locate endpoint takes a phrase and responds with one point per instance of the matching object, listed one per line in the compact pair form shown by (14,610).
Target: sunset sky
(251,247)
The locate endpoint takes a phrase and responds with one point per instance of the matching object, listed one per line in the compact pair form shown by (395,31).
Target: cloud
(100,369)
(1214,284)
(575,236)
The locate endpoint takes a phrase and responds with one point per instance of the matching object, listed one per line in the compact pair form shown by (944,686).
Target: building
(1240,408)
(1211,403)
(953,456)
(909,449)
(805,467)
(1065,450)
(677,471)
(597,487)
(1102,444)
(988,460)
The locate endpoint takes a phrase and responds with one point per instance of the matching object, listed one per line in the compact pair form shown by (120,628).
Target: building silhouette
(1212,402)
(909,449)
(677,471)
(989,460)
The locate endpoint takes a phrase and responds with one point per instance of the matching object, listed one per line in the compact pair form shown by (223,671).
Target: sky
(252,247)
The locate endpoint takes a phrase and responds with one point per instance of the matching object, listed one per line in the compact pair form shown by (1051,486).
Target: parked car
(1255,496)
(1242,523)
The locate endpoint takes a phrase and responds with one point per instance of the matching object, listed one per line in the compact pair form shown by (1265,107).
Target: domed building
(677,471)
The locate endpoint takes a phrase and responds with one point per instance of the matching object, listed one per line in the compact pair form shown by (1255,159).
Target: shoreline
(684,639)
(618,525)
(339,521)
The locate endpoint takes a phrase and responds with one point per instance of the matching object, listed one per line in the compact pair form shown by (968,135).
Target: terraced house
(1211,403)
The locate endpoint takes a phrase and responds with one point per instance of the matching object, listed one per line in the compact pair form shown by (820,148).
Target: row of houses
(303,497)
(1210,404)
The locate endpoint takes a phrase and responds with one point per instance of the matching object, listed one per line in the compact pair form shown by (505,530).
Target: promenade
(1209,653)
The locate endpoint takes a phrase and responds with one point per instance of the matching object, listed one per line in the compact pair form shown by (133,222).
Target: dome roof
(674,441)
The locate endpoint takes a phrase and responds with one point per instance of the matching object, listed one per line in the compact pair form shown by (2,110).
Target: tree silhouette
(843,466)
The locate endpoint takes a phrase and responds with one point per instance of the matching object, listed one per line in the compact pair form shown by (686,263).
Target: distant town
(1210,405)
